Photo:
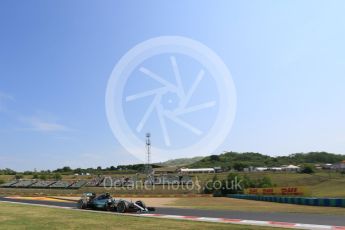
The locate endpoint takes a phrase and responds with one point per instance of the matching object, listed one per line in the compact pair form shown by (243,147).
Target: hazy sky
(287,60)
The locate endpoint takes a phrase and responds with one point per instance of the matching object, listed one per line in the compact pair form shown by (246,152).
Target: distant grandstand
(43,184)
(99,181)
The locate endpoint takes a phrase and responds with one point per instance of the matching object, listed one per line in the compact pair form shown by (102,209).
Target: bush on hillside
(18,176)
(43,177)
(57,176)
(240,166)
(308,169)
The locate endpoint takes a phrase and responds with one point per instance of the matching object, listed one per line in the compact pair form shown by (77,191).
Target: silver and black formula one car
(89,200)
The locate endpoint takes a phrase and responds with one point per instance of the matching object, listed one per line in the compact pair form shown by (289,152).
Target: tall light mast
(148,152)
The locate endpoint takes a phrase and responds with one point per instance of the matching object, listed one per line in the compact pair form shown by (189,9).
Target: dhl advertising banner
(288,191)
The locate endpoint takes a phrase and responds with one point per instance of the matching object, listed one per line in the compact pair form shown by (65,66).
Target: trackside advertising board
(285,191)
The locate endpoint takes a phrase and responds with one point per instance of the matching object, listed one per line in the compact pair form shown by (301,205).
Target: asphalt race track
(319,219)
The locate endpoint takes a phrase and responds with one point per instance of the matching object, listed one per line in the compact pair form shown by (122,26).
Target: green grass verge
(15,216)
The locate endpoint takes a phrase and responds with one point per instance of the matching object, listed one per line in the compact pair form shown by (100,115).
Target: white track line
(203,219)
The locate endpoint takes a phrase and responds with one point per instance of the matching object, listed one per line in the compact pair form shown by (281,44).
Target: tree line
(239,161)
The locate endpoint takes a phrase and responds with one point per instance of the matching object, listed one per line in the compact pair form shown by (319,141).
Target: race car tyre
(107,207)
(121,207)
(82,204)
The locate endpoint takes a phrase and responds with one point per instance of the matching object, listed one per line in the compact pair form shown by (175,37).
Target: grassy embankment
(321,184)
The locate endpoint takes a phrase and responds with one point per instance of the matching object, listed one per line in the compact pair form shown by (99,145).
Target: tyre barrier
(327,202)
